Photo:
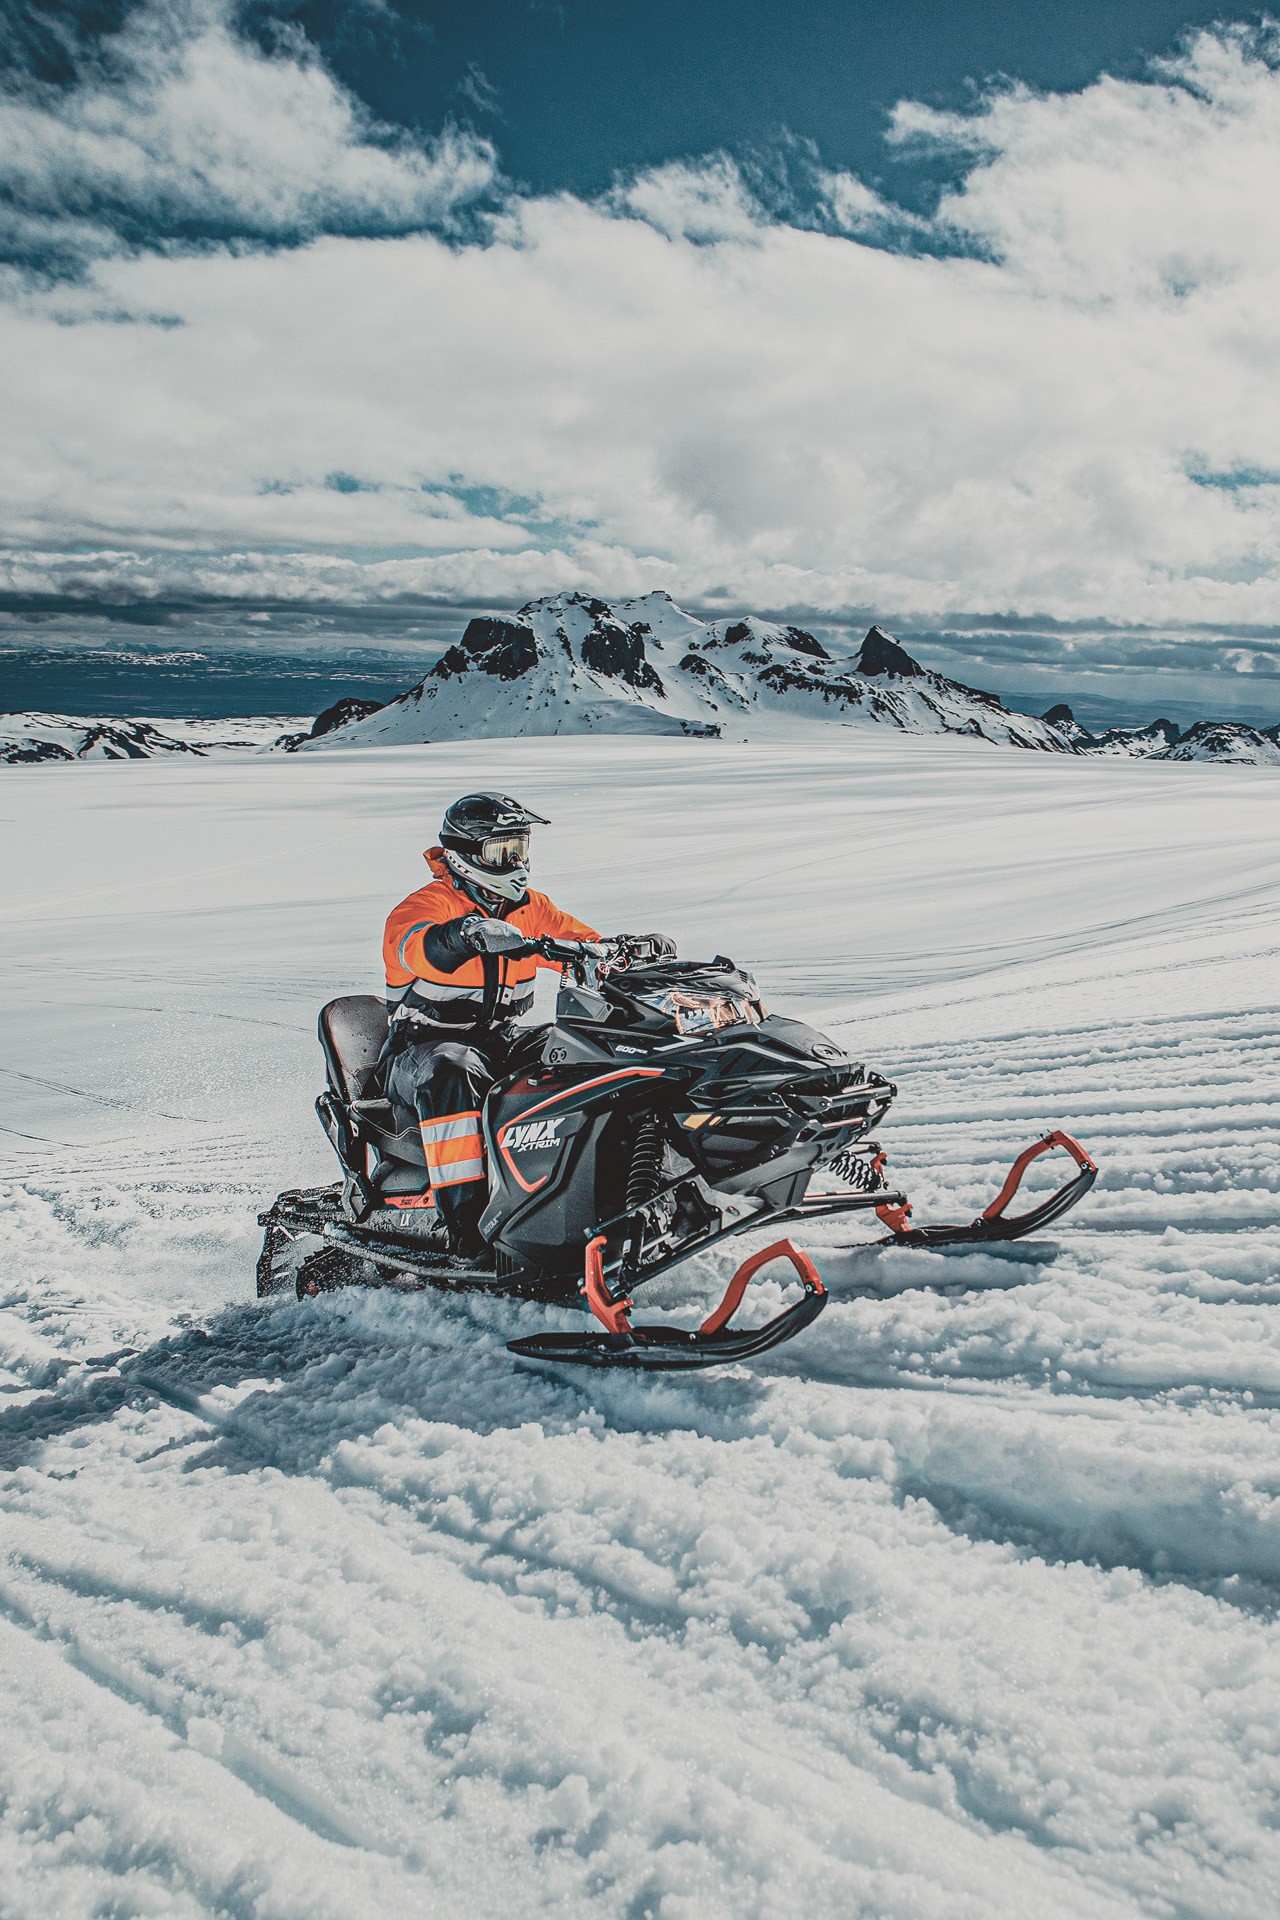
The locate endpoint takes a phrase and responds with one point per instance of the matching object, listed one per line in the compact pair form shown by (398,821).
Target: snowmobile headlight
(695,1012)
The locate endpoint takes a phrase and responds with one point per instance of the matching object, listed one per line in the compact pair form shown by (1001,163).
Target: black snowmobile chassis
(403,1261)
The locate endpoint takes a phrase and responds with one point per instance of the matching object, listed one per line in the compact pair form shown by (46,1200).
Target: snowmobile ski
(993,1223)
(653,1349)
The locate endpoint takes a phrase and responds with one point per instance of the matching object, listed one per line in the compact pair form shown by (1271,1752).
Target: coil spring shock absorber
(645,1176)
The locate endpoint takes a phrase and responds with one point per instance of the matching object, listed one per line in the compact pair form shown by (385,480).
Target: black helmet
(485,840)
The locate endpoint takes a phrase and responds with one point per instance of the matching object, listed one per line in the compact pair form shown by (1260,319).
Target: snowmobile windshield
(503,851)
(698,1012)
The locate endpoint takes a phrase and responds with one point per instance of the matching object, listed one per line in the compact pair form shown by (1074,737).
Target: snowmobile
(664,1111)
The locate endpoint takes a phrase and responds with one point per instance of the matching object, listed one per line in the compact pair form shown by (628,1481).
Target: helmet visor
(502,852)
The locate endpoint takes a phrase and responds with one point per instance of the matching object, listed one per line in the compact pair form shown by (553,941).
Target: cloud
(1145,191)
(180,131)
(703,200)
(476,87)
(1054,401)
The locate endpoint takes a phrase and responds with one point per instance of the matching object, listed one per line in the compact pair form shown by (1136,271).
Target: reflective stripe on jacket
(458,999)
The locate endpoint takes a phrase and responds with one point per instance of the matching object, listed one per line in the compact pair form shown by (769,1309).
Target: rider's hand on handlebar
(483,935)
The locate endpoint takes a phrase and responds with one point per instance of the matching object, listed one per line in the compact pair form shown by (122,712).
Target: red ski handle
(1014,1178)
(614,1315)
(780,1250)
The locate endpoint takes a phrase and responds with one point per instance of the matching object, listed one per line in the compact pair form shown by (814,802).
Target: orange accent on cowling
(402,1200)
(583,1086)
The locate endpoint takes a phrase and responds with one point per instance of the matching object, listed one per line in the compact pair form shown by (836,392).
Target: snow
(961,1605)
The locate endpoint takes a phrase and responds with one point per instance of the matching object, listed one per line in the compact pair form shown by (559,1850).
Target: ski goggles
(502,852)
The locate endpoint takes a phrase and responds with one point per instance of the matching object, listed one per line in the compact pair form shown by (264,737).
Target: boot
(460,1209)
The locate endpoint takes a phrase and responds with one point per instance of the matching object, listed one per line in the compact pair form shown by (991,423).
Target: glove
(493,936)
(645,947)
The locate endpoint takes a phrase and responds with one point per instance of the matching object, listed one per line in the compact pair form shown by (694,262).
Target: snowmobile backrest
(352,1033)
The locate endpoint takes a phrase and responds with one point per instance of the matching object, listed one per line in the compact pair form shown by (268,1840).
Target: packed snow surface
(961,1606)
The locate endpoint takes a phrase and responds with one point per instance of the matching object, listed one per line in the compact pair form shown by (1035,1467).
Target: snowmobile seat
(353,1031)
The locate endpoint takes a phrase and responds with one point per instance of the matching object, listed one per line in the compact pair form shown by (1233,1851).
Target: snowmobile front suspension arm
(632,1270)
(663,1349)
(993,1223)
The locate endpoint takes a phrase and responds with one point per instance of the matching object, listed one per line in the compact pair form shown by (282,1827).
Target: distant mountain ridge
(29,739)
(1217,740)
(571,663)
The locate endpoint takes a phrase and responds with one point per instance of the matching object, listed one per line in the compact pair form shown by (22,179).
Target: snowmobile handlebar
(584,960)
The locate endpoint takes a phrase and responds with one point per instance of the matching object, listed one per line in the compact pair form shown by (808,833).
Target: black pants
(444,1082)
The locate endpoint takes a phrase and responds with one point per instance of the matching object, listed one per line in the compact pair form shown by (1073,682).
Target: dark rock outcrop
(880,653)
(123,740)
(348,708)
(30,756)
(505,647)
(338,715)
(1065,722)
(1155,737)
(805,643)
(618,651)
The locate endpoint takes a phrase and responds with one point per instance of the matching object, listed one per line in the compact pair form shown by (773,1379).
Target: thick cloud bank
(178,130)
(290,372)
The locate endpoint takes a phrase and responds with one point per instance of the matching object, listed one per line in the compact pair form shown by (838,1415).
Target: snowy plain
(962,1605)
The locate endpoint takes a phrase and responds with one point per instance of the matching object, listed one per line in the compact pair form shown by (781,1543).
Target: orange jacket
(457,999)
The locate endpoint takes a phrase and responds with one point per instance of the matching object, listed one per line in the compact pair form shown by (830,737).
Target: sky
(322,319)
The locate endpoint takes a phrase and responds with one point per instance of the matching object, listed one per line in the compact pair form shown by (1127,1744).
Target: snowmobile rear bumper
(661,1349)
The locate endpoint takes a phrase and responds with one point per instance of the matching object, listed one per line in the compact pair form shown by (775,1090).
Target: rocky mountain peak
(571,662)
(880,653)
(1067,725)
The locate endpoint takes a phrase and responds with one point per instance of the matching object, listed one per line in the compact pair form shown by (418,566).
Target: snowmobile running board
(407,1265)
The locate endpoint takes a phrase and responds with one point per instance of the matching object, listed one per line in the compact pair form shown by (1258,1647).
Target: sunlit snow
(961,1605)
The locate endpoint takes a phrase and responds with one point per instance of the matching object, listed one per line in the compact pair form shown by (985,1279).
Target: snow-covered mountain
(572,664)
(1137,743)
(29,738)
(1228,740)
(1220,740)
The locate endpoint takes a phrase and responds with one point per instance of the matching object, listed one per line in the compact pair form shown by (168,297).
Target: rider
(460,970)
